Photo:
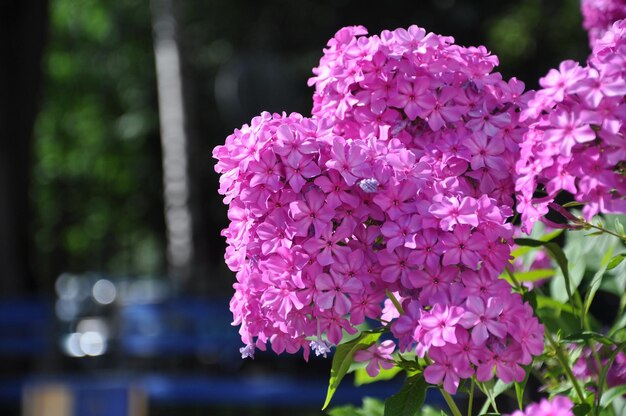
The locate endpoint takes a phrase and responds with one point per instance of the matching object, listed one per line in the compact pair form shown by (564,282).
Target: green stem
(449,400)
(568,370)
(597,227)
(590,343)
(490,398)
(470,406)
(517,285)
(453,407)
(395,301)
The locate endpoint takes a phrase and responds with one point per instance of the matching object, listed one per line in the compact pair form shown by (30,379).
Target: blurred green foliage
(97,174)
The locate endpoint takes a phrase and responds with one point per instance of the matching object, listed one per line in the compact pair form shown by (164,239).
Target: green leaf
(615,261)
(343,358)
(585,336)
(612,394)
(619,324)
(534,275)
(431,411)
(619,227)
(549,303)
(520,387)
(347,410)
(593,288)
(596,282)
(372,407)
(492,391)
(408,401)
(556,253)
(604,372)
(573,204)
(581,409)
(361,377)
(520,251)
(594,234)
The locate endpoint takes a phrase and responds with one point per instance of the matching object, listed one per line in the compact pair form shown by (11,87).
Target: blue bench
(178,327)
(26,327)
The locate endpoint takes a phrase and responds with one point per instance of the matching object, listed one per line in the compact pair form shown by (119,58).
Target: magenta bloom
(558,406)
(576,128)
(406,96)
(598,15)
(349,160)
(377,357)
(402,182)
(462,247)
(451,212)
(482,318)
(445,370)
(438,326)
(313,211)
(333,291)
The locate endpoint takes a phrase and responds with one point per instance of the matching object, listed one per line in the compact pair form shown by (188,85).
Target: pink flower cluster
(558,406)
(585,367)
(400,183)
(598,15)
(429,95)
(575,141)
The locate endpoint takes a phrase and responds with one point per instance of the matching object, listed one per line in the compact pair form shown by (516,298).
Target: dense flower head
(401,183)
(434,98)
(558,406)
(598,15)
(576,142)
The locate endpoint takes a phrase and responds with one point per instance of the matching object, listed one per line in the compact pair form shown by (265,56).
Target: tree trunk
(178,218)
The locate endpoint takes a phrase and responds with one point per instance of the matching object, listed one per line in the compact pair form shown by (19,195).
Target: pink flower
(558,406)
(504,359)
(451,212)
(400,233)
(568,131)
(556,82)
(275,232)
(433,281)
(394,199)
(483,318)
(406,96)
(462,246)
(426,250)
(397,265)
(333,291)
(337,192)
(439,325)
(444,369)
(434,108)
(330,244)
(464,352)
(529,333)
(377,357)
(575,138)
(333,324)
(598,15)
(349,160)
(265,171)
(402,182)
(313,211)
(298,169)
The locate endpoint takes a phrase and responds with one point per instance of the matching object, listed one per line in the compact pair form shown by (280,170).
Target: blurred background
(113,290)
